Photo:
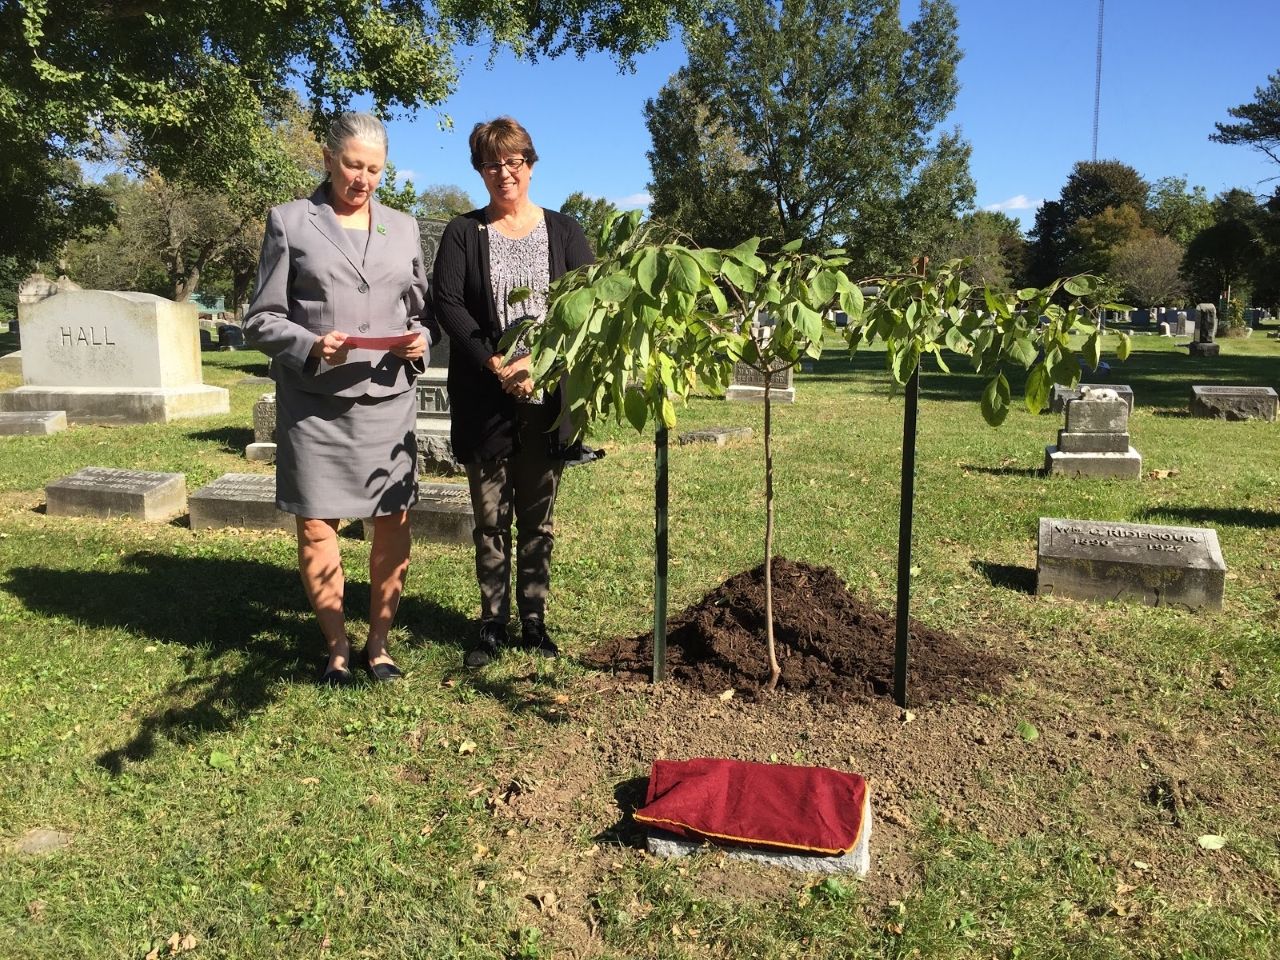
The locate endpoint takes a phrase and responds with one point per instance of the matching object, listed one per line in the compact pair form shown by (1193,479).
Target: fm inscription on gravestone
(1156,565)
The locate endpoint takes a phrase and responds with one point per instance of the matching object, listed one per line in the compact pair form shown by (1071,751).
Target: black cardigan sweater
(483,415)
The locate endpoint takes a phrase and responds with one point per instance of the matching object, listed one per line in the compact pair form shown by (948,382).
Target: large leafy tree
(1176,211)
(991,245)
(592,213)
(191,89)
(1092,188)
(1259,121)
(1148,268)
(813,120)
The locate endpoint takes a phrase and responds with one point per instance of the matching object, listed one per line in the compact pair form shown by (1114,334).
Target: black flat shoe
(383,672)
(337,677)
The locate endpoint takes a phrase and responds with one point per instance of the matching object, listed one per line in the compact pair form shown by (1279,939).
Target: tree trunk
(775,671)
(186,286)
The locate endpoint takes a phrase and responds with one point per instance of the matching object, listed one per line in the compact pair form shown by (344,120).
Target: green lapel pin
(382,228)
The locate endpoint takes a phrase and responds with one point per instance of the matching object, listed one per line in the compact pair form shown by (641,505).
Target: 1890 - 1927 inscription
(1101,560)
(112,492)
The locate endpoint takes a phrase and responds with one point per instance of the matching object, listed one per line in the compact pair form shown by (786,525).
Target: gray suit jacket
(311,281)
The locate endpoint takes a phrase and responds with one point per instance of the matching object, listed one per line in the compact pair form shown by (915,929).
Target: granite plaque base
(1234,403)
(1118,466)
(1199,349)
(108,492)
(11,363)
(120,404)
(441,515)
(239,500)
(38,424)
(1158,566)
(756,394)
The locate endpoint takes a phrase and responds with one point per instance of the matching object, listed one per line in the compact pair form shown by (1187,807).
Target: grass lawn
(157,707)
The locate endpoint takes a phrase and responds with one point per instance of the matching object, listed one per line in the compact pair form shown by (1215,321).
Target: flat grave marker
(441,515)
(748,384)
(1234,403)
(1107,560)
(36,423)
(716,435)
(110,492)
(245,500)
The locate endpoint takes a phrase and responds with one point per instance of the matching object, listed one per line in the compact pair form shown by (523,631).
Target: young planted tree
(633,334)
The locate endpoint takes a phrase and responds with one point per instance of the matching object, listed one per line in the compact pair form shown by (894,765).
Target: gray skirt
(343,457)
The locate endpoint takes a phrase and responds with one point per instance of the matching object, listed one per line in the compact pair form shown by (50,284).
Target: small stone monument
(716,435)
(442,514)
(1061,394)
(1204,345)
(748,384)
(38,423)
(230,337)
(246,500)
(108,492)
(263,447)
(1234,403)
(109,357)
(1095,441)
(1158,566)
(1163,329)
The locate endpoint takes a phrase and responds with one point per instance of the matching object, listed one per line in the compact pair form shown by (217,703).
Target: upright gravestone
(108,357)
(109,492)
(435,448)
(263,447)
(1158,566)
(1095,441)
(1205,344)
(748,384)
(1061,394)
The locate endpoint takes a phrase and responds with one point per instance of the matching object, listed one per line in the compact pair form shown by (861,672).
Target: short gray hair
(351,125)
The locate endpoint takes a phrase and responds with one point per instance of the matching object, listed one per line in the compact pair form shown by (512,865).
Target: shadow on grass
(1019,579)
(520,694)
(1214,516)
(630,795)
(246,626)
(232,439)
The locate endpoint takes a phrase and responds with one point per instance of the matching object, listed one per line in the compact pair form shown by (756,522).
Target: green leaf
(1081,286)
(614,288)
(1038,386)
(822,289)
(519,295)
(1211,841)
(793,246)
(1027,731)
(956,341)
(637,408)
(647,272)
(221,761)
(1092,350)
(1027,293)
(575,308)
(1023,351)
(995,304)
(683,273)
(668,413)
(995,400)
(1123,347)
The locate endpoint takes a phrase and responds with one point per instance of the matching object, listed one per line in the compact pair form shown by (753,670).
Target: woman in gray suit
(342,308)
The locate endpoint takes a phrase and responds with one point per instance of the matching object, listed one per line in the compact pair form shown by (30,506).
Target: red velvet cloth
(809,809)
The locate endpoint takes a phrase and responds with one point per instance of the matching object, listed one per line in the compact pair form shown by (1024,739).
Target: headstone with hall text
(435,448)
(110,357)
(441,515)
(1155,565)
(107,492)
(246,500)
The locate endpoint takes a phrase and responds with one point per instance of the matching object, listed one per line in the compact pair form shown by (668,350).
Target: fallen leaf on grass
(1141,865)
(466,748)
(221,761)
(727,695)
(1211,841)
(309,781)
(1163,474)
(1027,731)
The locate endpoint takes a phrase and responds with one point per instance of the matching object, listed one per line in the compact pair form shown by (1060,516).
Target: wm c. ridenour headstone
(110,357)
(238,500)
(441,515)
(1105,560)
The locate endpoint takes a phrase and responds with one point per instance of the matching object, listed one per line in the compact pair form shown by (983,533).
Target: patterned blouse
(520,263)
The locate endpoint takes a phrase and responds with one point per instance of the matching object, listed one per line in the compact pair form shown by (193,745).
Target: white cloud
(1020,202)
(631,201)
(403,175)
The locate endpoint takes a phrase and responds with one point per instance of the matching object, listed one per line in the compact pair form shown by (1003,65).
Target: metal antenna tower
(1097,81)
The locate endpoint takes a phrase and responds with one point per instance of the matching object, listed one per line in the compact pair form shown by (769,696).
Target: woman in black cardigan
(501,427)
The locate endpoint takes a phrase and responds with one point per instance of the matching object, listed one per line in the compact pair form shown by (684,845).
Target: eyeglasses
(514,164)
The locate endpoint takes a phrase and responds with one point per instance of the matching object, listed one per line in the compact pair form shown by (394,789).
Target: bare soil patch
(831,645)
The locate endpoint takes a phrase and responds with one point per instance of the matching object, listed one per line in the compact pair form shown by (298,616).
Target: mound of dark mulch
(830,644)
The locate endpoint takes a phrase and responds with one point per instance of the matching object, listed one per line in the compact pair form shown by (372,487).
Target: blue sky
(1171,68)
